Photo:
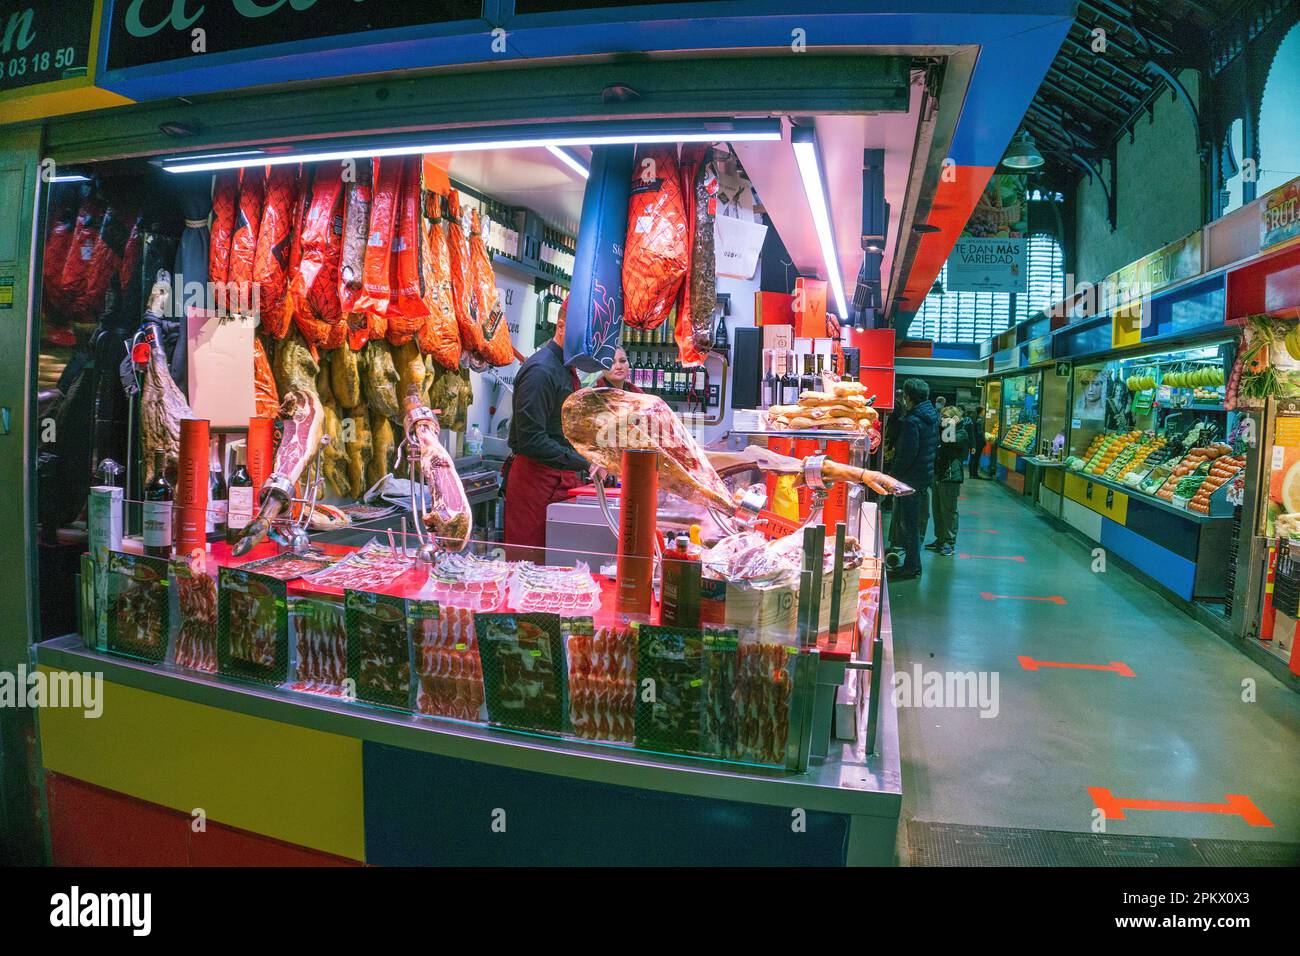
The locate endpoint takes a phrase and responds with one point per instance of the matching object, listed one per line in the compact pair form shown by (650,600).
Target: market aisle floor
(1177,730)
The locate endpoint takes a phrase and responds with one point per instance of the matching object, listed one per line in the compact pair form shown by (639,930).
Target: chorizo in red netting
(376,290)
(57,244)
(439,335)
(85,236)
(274,241)
(406,308)
(243,241)
(498,350)
(105,260)
(462,286)
(225,199)
(313,285)
(654,257)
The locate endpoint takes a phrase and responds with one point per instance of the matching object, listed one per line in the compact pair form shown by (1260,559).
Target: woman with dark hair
(617,375)
(918,439)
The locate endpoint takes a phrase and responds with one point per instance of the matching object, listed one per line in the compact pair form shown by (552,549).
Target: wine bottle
(240,498)
(789,382)
(660,372)
(157,510)
(702,386)
(771,385)
(808,383)
(217,505)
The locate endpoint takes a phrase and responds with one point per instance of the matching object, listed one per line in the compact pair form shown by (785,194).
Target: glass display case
(992,410)
(1020,411)
(1156,424)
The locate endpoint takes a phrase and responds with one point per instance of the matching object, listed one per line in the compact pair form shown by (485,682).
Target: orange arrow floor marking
(1119,667)
(981,531)
(989,596)
(1113,807)
(993,557)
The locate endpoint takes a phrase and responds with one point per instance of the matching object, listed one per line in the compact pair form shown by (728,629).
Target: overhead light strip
(564,156)
(804,141)
(455,141)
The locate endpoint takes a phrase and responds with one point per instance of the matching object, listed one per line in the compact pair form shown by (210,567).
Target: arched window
(1279,117)
(955,318)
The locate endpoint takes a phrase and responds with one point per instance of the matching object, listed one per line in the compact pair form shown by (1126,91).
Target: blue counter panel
(1161,565)
(1181,536)
(422,809)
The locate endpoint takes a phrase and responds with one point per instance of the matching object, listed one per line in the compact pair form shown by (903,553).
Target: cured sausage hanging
(313,286)
(439,335)
(271,256)
(376,289)
(225,198)
(498,349)
(407,309)
(243,241)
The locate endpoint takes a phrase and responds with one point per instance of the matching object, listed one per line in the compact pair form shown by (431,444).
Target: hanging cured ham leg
(304,424)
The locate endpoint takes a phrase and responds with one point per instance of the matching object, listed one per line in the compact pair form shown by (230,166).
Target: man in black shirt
(543,465)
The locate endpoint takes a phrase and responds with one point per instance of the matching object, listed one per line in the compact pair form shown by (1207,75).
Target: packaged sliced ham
(313,285)
(85,236)
(406,307)
(498,349)
(57,244)
(243,241)
(376,289)
(225,200)
(271,256)
(356,230)
(462,287)
(654,258)
(439,335)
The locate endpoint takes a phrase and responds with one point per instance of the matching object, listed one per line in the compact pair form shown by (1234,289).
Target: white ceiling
(536,179)
(841,138)
(533,178)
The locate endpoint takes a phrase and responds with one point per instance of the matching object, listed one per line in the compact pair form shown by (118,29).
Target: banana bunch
(1200,378)
(1140,383)
(1292,342)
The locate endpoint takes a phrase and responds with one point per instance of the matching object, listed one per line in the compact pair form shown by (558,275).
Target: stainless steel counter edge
(845,785)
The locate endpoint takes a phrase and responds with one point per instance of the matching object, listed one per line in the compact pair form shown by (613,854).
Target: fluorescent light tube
(564,156)
(594,135)
(805,154)
(71,178)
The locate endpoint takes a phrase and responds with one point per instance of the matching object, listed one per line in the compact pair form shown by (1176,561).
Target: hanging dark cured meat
(699,292)
(271,258)
(357,197)
(225,200)
(105,260)
(439,335)
(654,257)
(243,241)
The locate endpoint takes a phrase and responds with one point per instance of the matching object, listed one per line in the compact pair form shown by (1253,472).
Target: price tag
(1279,457)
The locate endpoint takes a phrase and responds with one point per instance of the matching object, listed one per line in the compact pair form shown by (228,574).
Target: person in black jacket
(543,465)
(974,426)
(918,440)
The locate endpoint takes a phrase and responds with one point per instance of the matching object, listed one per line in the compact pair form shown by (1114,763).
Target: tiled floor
(1178,730)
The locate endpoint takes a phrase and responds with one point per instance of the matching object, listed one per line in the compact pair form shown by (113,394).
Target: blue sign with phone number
(43,42)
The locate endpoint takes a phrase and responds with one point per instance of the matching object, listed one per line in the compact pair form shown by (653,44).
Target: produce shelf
(1151,499)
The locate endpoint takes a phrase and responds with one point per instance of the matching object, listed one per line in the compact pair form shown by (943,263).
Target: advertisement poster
(992,253)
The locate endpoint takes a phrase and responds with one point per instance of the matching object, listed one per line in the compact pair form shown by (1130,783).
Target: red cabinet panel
(91,826)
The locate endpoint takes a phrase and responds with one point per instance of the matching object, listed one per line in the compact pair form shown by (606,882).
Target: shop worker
(618,374)
(542,466)
(918,440)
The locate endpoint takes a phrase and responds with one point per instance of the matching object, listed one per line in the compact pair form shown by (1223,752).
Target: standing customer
(918,439)
(976,442)
(954,445)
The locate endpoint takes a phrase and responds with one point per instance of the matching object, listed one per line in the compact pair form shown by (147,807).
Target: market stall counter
(429,720)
